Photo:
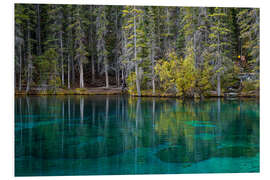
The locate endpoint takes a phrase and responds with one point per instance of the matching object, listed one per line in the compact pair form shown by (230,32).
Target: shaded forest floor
(97,87)
(75,91)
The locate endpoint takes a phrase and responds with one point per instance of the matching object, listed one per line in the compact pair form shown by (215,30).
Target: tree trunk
(38,31)
(98,67)
(218,84)
(153,66)
(29,58)
(117,74)
(135,57)
(73,71)
(219,64)
(137,80)
(62,58)
(93,68)
(81,75)
(68,72)
(20,70)
(168,43)
(153,84)
(106,75)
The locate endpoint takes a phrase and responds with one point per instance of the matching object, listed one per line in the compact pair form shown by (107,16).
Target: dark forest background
(188,51)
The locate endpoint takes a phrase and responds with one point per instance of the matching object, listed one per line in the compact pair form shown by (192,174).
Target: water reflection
(126,135)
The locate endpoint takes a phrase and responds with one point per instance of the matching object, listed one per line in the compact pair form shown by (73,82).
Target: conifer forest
(125,90)
(139,50)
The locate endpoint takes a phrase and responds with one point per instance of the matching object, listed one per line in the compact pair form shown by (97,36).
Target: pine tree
(134,35)
(20,19)
(101,26)
(80,48)
(152,28)
(248,20)
(219,41)
(29,12)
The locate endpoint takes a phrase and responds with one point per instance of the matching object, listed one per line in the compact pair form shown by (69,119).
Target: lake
(102,135)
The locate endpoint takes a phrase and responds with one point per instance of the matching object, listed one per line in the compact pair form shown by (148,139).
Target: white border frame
(7,84)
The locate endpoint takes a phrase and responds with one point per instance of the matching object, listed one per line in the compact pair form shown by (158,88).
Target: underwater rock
(180,155)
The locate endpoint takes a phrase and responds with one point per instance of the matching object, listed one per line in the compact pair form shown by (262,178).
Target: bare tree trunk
(218,84)
(29,58)
(117,76)
(106,74)
(135,57)
(62,58)
(137,80)
(38,37)
(98,66)
(68,72)
(91,45)
(122,75)
(20,70)
(153,84)
(168,43)
(93,68)
(81,75)
(117,49)
(219,64)
(73,71)
(153,66)
(38,31)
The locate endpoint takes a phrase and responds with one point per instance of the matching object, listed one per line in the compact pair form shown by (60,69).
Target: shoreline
(118,91)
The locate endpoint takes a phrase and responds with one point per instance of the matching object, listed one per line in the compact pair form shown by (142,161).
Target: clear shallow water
(94,135)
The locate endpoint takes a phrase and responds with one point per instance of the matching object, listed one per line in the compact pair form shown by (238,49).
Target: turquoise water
(98,135)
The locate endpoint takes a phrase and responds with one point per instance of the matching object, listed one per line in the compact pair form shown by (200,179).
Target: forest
(139,50)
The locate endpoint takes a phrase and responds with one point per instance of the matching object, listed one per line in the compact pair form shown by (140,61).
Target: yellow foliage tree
(186,76)
(165,71)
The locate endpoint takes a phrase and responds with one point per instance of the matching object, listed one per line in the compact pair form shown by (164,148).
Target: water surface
(95,135)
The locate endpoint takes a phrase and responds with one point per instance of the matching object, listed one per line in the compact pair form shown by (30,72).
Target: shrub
(251,85)
(131,82)
(165,71)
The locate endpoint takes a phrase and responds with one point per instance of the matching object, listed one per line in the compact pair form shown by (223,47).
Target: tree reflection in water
(117,131)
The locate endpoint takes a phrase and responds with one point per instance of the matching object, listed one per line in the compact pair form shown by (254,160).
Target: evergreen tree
(101,27)
(59,45)
(135,43)
(219,41)
(248,20)
(79,44)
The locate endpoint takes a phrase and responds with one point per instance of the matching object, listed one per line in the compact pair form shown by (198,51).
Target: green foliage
(204,78)
(251,85)
(131,82)
(80,47)
(248,20)
(183,51)
(47,65)
(230,78)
